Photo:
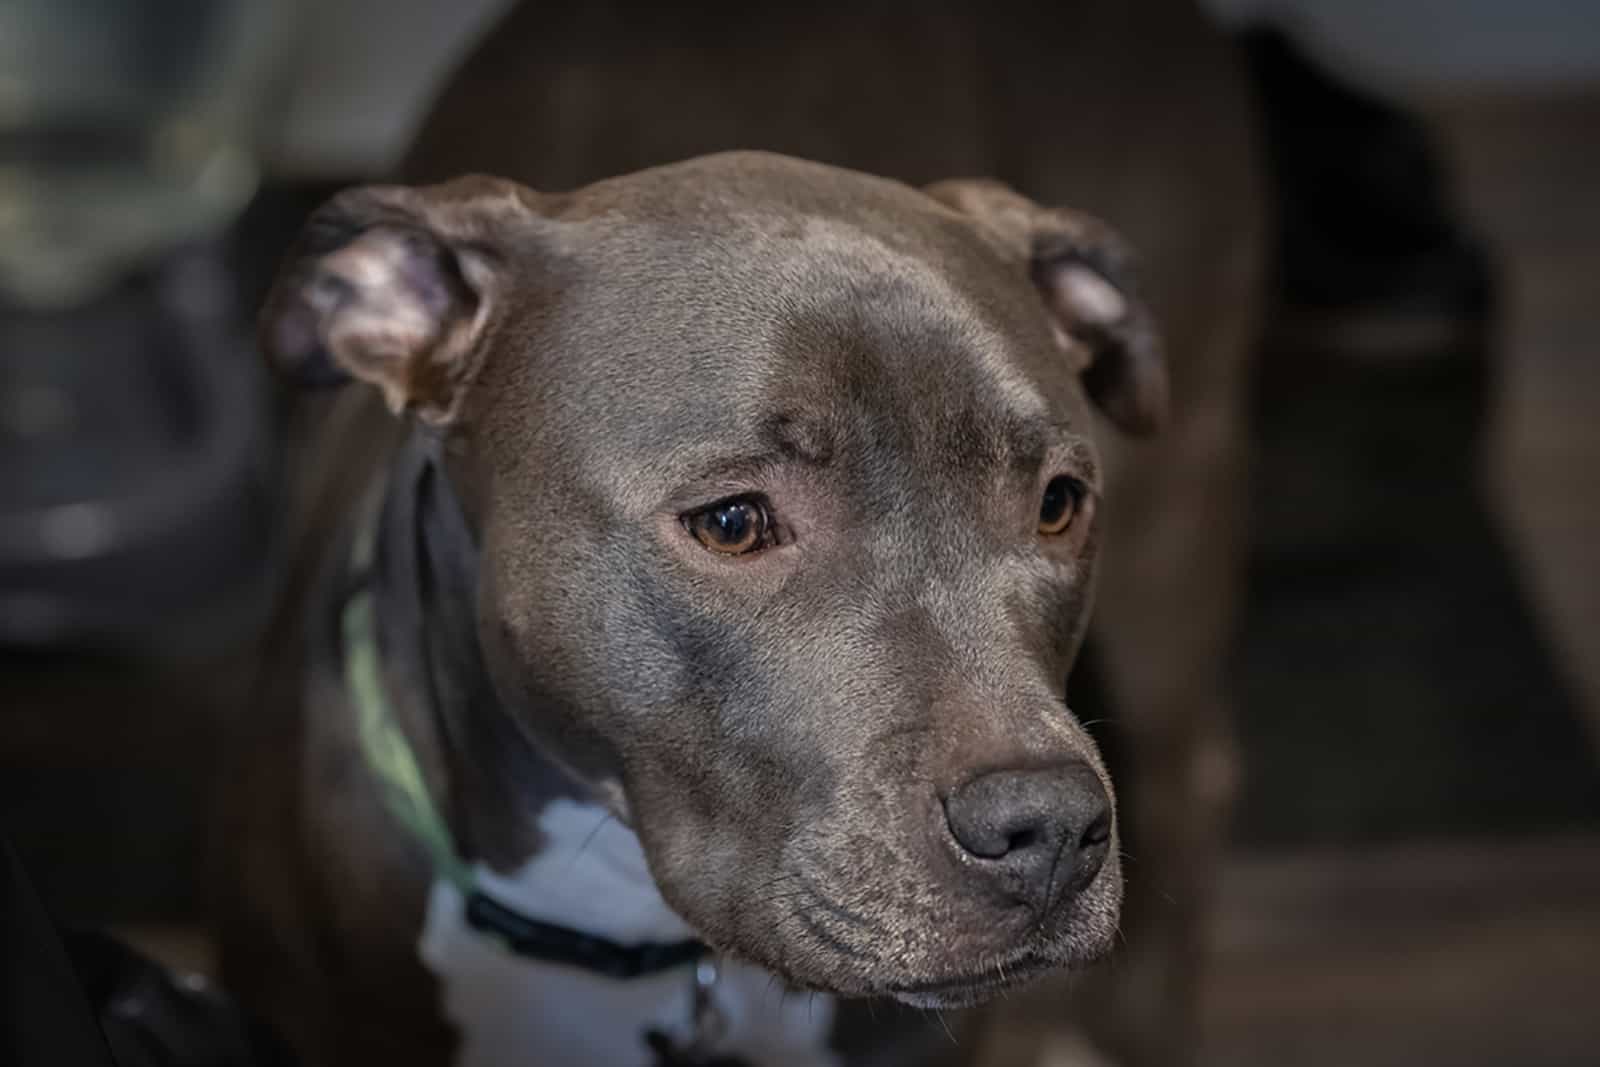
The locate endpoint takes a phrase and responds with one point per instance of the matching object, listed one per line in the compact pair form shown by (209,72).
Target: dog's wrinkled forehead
(729,330)
(700,284)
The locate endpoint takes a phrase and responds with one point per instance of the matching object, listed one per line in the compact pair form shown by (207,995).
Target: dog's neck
(533,835)
(495,786)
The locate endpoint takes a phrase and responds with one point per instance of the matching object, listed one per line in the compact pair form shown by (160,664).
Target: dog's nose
(1037,835)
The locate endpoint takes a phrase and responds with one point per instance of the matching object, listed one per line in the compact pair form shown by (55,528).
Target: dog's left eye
(1063,499)
(732,527)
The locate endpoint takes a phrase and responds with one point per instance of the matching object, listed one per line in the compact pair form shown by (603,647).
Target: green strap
(385,747)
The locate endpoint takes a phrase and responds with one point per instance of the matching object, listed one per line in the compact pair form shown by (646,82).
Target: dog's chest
(592,876)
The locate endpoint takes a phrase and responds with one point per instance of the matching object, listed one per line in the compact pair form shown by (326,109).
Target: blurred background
(1416,867)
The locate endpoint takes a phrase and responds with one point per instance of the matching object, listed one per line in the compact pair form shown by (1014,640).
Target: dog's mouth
(861,971)
(965,990)
(858,970)
(944,950)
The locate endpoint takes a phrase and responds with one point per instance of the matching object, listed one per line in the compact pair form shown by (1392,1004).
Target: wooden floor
(1438,954)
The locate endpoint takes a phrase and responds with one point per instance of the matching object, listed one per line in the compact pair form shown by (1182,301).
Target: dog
(701,635)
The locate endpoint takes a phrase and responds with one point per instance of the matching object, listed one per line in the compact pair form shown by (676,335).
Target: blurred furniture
(1396,682)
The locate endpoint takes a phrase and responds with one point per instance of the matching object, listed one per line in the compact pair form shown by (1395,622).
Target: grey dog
(702,634)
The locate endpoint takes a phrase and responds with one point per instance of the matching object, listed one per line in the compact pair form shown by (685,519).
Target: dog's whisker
(775,880)
(589,840)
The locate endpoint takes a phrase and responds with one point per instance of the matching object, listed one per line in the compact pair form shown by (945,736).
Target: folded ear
(1084,274)
(394,286)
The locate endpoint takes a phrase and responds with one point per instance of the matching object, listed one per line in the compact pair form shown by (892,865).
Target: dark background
(1416,876)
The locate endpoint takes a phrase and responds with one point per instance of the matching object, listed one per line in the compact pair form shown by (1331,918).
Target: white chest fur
(591,876)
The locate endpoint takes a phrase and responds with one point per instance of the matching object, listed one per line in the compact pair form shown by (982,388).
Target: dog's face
(787,502)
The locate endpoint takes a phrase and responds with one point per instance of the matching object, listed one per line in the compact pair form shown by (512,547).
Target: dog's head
(787,499)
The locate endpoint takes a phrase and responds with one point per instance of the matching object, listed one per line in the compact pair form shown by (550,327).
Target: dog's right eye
(1063,499)
(731,527)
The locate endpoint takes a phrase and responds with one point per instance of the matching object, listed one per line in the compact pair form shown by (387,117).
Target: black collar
(540,940)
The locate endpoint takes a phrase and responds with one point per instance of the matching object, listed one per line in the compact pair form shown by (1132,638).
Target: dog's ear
(394,286)
(1085,276)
